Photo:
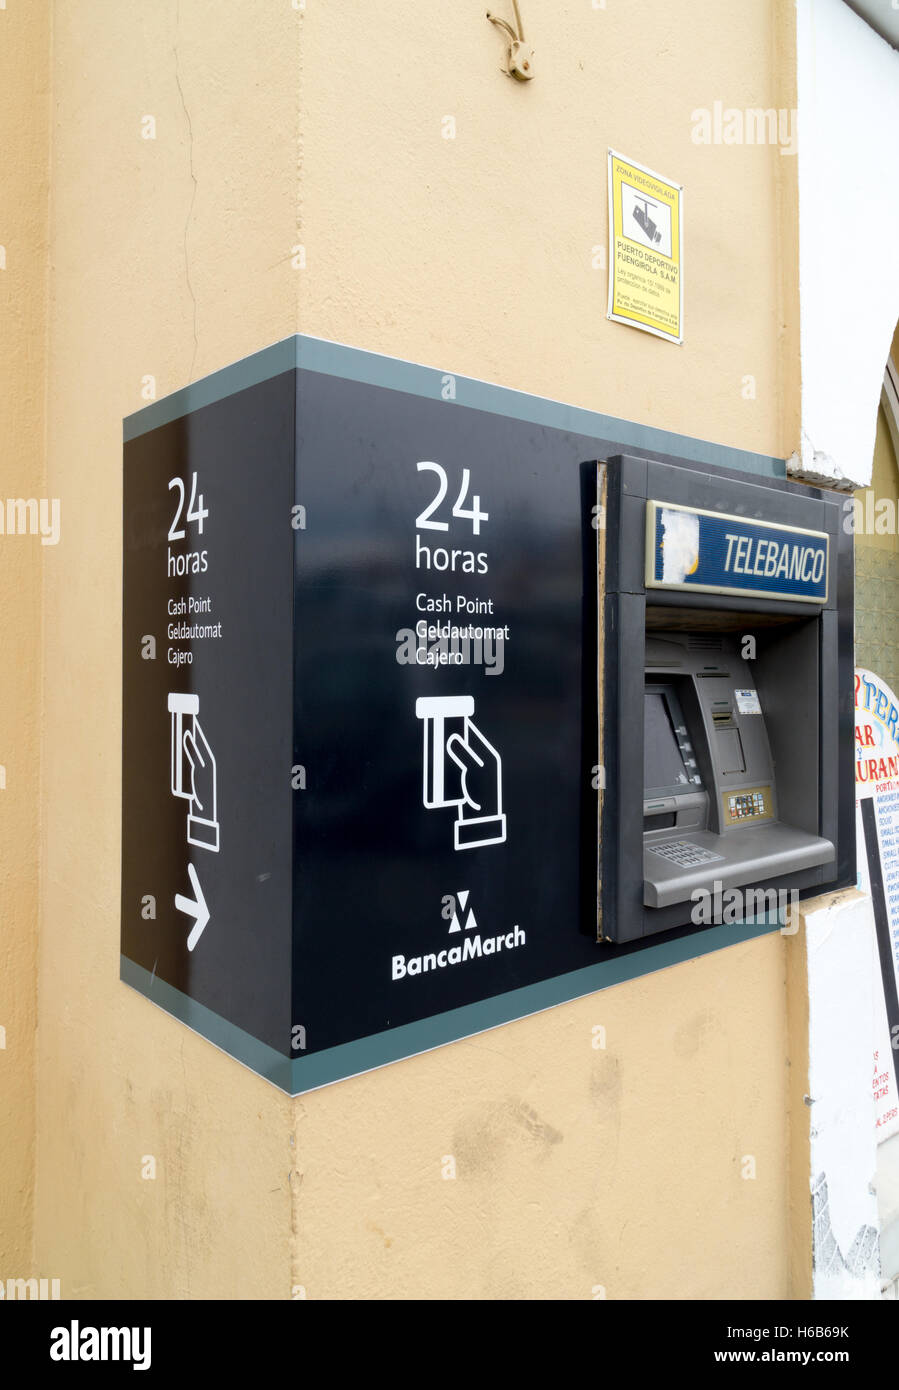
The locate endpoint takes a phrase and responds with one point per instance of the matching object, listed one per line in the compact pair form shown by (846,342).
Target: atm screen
(662,761)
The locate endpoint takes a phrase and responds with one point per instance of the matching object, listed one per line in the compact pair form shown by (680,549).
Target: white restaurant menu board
(877,832)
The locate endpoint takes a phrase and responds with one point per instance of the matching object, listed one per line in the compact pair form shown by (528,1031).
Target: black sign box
(359,728)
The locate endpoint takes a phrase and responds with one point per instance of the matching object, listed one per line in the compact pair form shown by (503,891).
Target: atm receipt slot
(710,792)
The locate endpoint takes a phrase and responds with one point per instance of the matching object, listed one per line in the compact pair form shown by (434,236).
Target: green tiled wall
(877,611)
(877,570)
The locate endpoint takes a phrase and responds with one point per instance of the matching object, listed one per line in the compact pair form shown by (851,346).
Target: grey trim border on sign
(303,1074)
(395,374)
(300,1075)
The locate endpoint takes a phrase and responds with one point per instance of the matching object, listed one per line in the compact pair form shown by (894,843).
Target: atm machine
(726,721)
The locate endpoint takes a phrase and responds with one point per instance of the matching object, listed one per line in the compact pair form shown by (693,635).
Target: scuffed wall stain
(605,1082)
(376,1230)
(482,1139)
(701,1028)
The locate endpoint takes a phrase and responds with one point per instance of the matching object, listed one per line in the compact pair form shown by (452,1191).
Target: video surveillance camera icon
(645,222)
(461,768)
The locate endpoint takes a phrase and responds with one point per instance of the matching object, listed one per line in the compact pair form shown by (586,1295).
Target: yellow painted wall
(170,258)
(24,117)
(575,1167)
(477,252)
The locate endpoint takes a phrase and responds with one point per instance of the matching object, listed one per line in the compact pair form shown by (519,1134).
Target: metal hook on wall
(521,55)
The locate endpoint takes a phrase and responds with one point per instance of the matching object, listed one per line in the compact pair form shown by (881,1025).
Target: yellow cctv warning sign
(645,249)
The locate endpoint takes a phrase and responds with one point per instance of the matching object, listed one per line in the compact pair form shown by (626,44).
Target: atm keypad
(684,853)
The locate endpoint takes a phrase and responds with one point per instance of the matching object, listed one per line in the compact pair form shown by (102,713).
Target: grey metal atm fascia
(631,482)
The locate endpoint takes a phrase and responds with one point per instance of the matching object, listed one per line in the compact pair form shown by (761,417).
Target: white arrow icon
(196,909)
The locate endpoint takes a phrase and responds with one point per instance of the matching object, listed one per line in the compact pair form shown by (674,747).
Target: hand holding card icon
(463,769)
(193,771)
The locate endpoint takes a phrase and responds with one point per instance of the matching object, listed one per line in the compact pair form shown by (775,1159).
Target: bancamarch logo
(471,948)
